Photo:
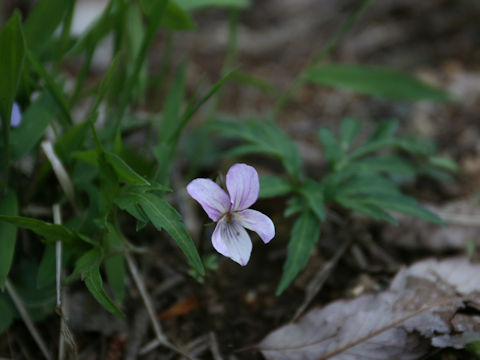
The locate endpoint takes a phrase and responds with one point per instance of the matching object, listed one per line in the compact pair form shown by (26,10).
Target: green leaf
(42,21)
(313,193)
(176,18)
(116,275)
(53,89)
(47,268)
(93,281)
(265,137)
(370,185)
(194,106)
(163,216)
(331,146)
(304,236)
(349,130)
(381,82)
(294,205)
(402,204)
(443,163)
(51,232)
(35,120)
(171,111)
(115,264)
(7,314)
(8,235)
(389,164)
(72,140)
(124,172)
(272,186)
(12,47)
(370,210)
(196,4)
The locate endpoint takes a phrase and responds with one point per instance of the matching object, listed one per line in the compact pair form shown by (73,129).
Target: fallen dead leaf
(462,217)
(422,308)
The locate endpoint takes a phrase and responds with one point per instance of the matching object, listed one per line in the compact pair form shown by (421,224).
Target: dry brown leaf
(419,310)
(418,234)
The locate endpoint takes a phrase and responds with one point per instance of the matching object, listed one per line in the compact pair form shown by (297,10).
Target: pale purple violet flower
(231,211)
(16,117)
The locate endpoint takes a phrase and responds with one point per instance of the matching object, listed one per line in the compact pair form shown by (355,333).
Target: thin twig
(318,281)
(214,349)
(17,301)
(161,339)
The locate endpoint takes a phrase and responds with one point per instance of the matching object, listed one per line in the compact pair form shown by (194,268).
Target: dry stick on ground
(317,282)
(161,339)
(459,219)
(17,301)
(214,349)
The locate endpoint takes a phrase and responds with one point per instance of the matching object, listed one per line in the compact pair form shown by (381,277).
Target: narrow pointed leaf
(271,186)
(12,47)
(304,236)
(381,82)
(8,235)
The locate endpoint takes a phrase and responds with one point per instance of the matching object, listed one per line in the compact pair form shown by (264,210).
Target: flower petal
(231,240)
(243,186)
(256,221)
(213,198)
(16,117)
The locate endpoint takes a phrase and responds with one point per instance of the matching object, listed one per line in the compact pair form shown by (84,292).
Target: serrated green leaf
(196,4)
(116,275)
(304,236)
(8,235)
(47,269)
(51,232)
(272,186)
(124,171)
(381,82)
(349,130)
(93,281)
(12,46)
(42,21)
(163,216)
(7,314)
